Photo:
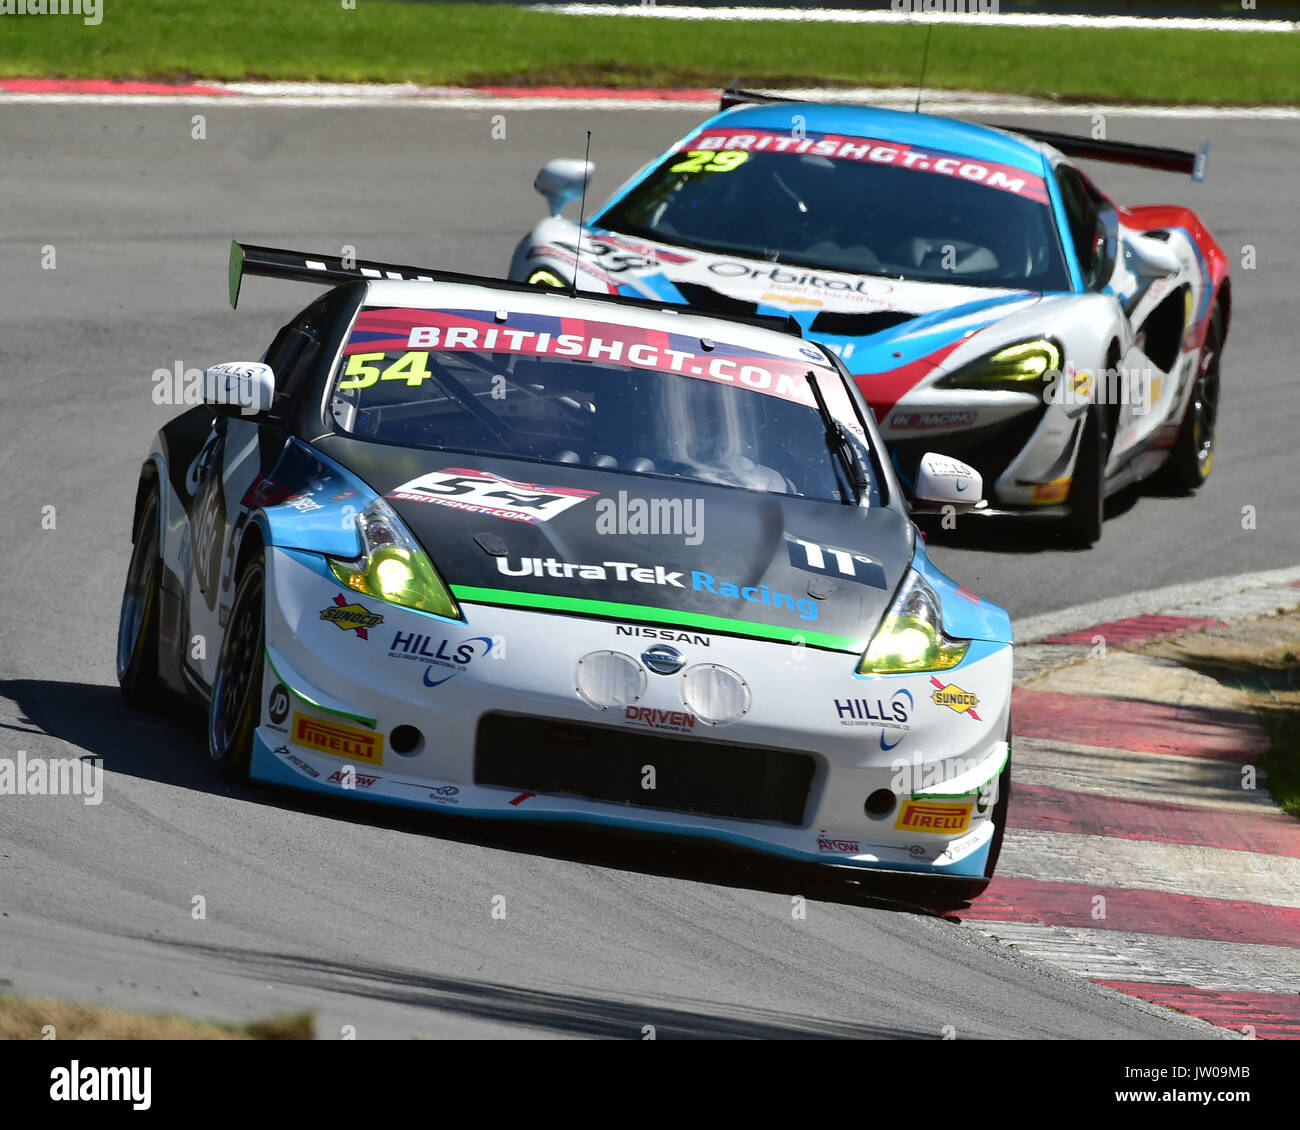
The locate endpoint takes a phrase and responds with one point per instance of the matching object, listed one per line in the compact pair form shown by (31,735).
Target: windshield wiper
(840,445)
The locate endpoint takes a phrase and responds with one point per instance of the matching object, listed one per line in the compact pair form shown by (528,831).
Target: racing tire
(1087,501)
(137,626)
(1192,457)
(958,892)
(236,704)
(1000,808)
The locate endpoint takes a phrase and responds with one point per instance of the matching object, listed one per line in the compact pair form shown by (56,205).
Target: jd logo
(278,707)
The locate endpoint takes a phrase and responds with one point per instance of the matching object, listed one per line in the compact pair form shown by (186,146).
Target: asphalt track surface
(385,922)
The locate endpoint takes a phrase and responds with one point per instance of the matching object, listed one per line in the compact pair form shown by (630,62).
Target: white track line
(1149,865)
(1118,774)
(887,14)
(940,102)
(1185,597)
(1153,958)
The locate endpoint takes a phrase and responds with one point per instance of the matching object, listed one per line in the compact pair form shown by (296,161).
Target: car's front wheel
(1001,805)
(236,703)
(137,626)
(1087,501)
(1192,457)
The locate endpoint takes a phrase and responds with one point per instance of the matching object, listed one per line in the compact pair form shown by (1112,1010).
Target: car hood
(644,549)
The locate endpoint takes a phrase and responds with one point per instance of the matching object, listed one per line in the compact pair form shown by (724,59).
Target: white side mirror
(941,481)
(1150,257)
(246,385)
(563,180)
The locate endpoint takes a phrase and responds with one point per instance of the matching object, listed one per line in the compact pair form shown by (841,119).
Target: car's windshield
(850,204)
(596,394)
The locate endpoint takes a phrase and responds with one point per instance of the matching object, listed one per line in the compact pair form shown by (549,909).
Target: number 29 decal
(710,161)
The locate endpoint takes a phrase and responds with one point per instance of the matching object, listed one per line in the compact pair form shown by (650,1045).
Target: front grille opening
(706,298)
(607,763)
(845,323)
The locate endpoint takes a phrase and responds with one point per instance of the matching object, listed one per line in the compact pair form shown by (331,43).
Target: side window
(293,351)
(278,350)
(1093,242)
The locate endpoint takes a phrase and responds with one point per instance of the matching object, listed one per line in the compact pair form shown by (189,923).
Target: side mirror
(1150,257)
(941,481)
(563,180)
(246,385)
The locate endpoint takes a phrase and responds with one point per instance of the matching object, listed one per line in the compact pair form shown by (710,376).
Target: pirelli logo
(929,816)
(340,740)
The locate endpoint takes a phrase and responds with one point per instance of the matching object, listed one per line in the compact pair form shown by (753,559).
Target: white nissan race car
(470,546)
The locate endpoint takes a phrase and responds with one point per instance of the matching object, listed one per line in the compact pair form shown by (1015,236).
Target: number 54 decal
(480,492)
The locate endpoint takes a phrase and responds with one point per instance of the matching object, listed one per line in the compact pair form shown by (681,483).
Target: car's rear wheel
(1192,458)
(137,626)
(236,704)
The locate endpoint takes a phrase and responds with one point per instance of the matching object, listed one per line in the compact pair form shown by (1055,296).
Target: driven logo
(677,720)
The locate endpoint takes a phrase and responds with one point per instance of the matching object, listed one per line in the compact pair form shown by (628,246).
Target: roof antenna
(925,54)
(582,211)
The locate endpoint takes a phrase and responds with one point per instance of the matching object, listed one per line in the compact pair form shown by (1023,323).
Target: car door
(1122,389)
(236,454)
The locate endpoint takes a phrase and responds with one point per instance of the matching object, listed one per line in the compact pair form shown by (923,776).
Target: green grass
(1281,764)
(31,1018)
(467,44)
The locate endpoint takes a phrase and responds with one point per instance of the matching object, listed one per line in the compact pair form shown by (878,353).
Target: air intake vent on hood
(706,298)
(843,324)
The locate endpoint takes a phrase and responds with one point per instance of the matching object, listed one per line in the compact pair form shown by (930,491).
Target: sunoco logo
(351,617)
(954,698)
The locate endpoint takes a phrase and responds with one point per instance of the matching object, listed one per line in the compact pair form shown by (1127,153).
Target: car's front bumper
(938,743)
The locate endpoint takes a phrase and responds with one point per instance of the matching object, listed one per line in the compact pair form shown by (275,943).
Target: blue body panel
(963,618)
(875,353)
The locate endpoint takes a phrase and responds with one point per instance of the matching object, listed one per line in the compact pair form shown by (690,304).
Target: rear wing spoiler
(303,266)
(1121,152)
(1093,149)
